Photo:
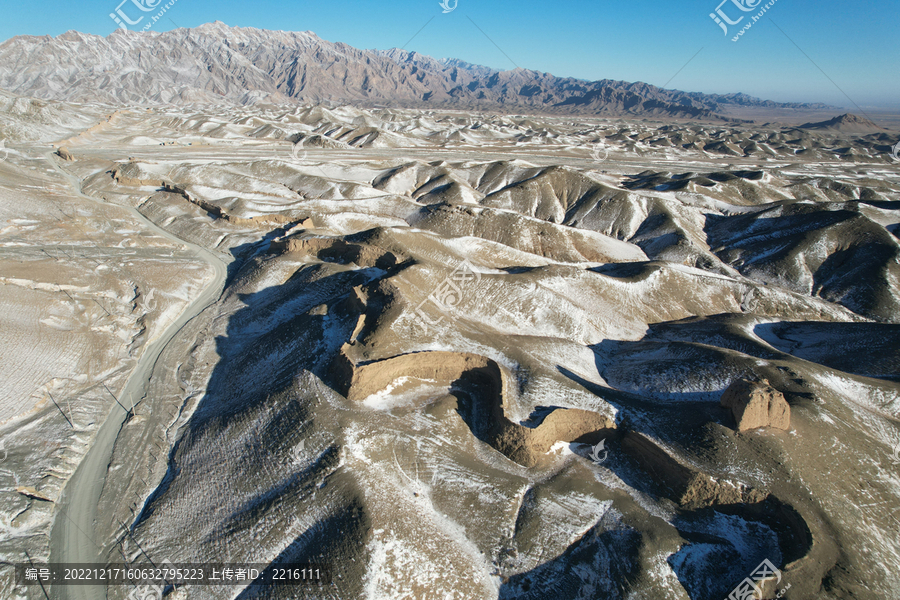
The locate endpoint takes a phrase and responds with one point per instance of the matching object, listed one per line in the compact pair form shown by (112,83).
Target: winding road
(73,537)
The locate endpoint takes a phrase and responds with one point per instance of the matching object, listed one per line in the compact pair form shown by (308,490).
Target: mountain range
(215,63)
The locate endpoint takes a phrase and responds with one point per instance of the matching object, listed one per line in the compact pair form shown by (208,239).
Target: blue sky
(855,44)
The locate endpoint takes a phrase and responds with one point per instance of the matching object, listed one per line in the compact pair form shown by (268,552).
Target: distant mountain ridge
(215,63)
(846,123)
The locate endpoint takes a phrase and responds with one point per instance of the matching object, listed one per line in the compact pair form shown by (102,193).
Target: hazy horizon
(626,43)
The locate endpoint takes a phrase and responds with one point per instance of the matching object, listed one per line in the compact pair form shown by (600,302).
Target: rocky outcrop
(684,484)
(755,405)
(338,250)
(64,154)
(30,492)
(479,388)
